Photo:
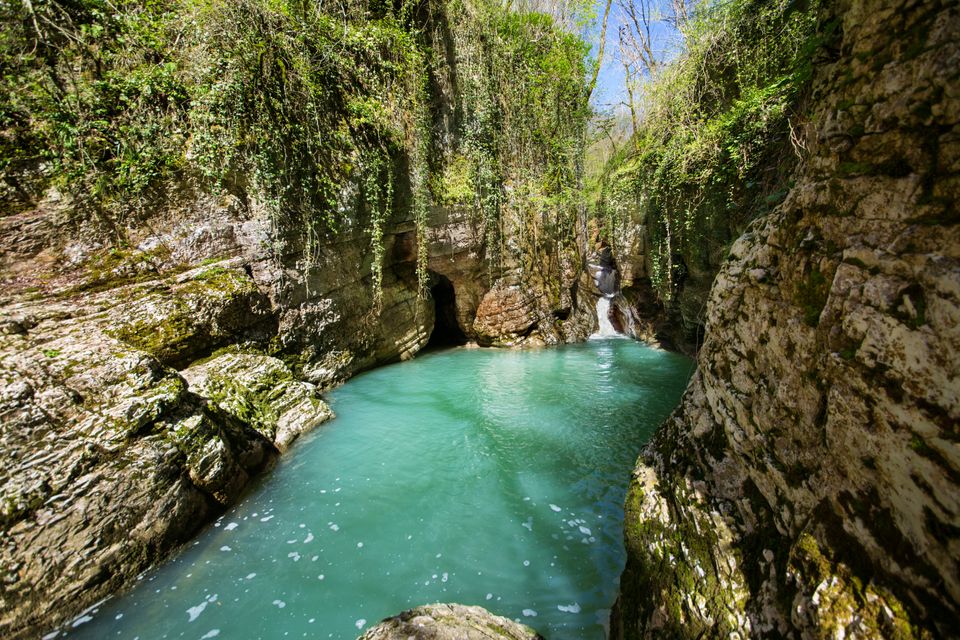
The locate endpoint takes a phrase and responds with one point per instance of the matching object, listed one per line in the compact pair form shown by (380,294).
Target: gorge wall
(151,365)
(807,485)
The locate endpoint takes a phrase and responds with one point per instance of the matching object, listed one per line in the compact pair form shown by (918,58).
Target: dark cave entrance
(446,329)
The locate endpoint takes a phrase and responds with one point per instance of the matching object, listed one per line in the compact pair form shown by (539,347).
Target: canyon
(806,486)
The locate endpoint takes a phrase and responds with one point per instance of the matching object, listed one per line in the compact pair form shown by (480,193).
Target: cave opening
(446,329)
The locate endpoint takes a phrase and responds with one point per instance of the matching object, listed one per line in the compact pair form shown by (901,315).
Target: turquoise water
(475,476)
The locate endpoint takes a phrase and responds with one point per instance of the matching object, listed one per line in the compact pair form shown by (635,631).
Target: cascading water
(607,280)
(606,329)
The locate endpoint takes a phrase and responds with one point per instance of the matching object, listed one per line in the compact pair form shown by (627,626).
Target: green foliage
(713,149)
(523,104)
(455,184)
(95,94)
(321,112)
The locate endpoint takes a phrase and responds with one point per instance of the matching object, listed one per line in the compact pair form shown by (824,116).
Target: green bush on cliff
(523,109)
(716,143)
(317,110)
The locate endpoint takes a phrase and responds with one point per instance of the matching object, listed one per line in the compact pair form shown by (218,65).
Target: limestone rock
(261,391)
(110,461)
(807,486)
(449,622)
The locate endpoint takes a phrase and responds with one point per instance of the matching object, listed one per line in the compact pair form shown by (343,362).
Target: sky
(610,92)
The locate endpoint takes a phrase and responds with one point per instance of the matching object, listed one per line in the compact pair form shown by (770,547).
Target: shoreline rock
(449,622)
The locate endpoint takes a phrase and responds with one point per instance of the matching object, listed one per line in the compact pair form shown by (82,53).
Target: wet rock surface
(449,622)
(807,485)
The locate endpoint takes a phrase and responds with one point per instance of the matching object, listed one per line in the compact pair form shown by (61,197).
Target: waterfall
(606,329)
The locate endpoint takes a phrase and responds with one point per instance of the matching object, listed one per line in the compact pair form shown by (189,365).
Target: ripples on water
(475,476)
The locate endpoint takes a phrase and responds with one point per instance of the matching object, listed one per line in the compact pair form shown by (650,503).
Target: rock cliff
(147,372)
(807,486)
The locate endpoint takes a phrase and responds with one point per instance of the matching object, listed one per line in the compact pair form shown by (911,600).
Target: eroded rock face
(808,485)
(261,391)
(449,622)
(109,459)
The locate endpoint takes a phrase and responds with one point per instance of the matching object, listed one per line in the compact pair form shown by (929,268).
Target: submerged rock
(449,622)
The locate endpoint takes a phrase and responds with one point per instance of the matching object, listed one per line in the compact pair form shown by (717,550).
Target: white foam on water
(489,596)
(213,633)
(359,545)
(294,555)
(529,613)
(120,615)
(526,563)
(309,538)
(231,526)
(51,635)
(528,525)
(359,623)
(251,576)
(556,508)
(225,548)
(570,608)
(280,604)
(444,577)
(334,527)
(194,612)
(266,519)
(585,531)
(81,620)
(321,577)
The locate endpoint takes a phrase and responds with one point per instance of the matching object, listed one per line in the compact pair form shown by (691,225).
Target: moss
(811,296)
(853,169)
(177,331)
(166,337)
(210,274)
(191,435)
(51,353)
(455,185)
(152,404)
(255,403)
(218,281)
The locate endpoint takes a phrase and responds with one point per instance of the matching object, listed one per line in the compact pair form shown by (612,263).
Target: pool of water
(474,476)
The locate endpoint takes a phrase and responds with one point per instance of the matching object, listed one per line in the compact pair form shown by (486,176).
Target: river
(476,476)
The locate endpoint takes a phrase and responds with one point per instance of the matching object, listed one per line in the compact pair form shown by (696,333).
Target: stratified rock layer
(109,459)
(449,622)
(808,485)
